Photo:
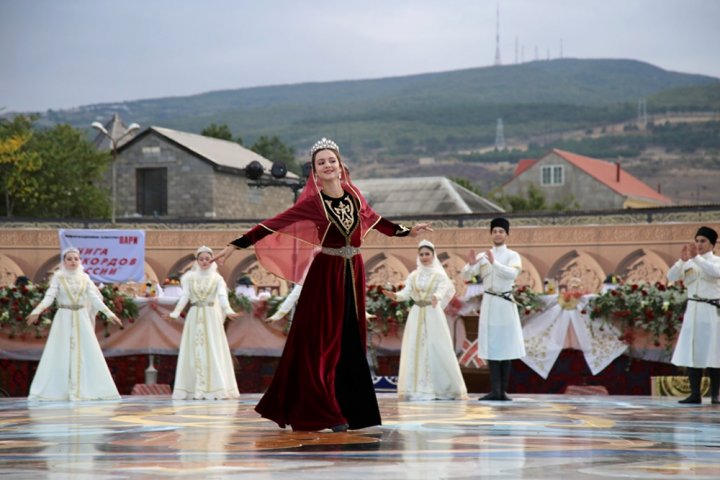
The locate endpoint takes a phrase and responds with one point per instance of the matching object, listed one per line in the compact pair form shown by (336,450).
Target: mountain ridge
(436,107)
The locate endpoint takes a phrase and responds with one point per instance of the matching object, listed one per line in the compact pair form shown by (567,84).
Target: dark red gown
(323,378)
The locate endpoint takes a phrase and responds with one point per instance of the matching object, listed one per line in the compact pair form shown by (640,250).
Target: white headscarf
(196,267)
(436,267)
(64,271)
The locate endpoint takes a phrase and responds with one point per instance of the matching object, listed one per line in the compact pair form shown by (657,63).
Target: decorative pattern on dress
(344,212)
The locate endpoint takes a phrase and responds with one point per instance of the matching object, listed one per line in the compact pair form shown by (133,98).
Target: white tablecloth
(549,332)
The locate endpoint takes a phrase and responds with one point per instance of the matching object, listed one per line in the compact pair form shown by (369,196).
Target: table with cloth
(566,324)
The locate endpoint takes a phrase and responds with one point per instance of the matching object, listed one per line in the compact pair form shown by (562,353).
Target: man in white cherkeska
(698,346)
(500,338)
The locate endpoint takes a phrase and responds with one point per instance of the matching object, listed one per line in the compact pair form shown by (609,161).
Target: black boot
(714,374)
(695,377)
(505,368)
(495,381)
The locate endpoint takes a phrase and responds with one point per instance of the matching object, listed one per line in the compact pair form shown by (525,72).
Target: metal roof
(392,197)
(222,153)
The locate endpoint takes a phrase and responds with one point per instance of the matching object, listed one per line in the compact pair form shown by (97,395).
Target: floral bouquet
(569,299)
(119,303)
(239,302)
(16,303)
(657,309)
(528,301)
(386,316)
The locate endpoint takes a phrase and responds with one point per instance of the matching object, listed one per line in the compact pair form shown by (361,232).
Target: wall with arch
(635,252)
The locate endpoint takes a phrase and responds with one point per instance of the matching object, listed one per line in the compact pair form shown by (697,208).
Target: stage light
(278,170)
(254,170)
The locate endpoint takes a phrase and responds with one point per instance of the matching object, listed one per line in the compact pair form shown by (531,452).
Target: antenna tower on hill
(499,136)
(497,38)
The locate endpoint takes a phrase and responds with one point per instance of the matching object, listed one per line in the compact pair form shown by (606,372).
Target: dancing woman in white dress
(204,367)
(429,368)
(72,366)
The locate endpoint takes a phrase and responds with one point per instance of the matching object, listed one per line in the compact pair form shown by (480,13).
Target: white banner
(108,256)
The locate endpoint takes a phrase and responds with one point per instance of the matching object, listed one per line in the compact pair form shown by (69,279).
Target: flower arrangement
(16,303)
(120,304)
(657,309)
(386,316)
(239,302)
(528,300)
(569,299)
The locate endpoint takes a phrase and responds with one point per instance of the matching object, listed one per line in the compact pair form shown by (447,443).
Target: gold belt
(202,304)
(72,307)
(423,303)
(346,251)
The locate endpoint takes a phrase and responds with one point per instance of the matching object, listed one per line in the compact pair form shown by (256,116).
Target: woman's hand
(33,318)
(434,301)
(420,227)
(390,295)
(114,319)
(234,315)
(224,254)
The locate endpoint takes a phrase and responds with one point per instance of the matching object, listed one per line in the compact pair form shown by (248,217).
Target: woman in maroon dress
(323,379)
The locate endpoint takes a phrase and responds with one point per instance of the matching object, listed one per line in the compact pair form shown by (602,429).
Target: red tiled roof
(606,172)
(523,165)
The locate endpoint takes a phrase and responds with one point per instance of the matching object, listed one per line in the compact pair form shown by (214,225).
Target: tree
(221,131)
(50,173)
(68,181)
(534,201)
(275,150)
(16,163)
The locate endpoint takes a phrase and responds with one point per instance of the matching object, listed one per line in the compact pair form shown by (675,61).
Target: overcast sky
(67,53)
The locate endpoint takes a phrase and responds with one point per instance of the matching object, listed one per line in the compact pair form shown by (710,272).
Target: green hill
(704,97)
(430,113)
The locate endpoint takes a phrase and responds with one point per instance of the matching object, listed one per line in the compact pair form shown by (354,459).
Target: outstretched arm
(47,300)
(386,227)
(293,214)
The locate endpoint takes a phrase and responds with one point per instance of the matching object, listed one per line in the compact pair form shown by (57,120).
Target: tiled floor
(535,436)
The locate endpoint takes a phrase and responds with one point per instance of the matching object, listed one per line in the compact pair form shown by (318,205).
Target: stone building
(173,174)
(583,182)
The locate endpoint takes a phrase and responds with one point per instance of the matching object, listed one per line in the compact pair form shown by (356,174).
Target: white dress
(204,367)
(429,368)
(698,345)
(72,366)
(499,331)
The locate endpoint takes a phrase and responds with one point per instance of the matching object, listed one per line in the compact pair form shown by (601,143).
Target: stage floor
(535,436)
